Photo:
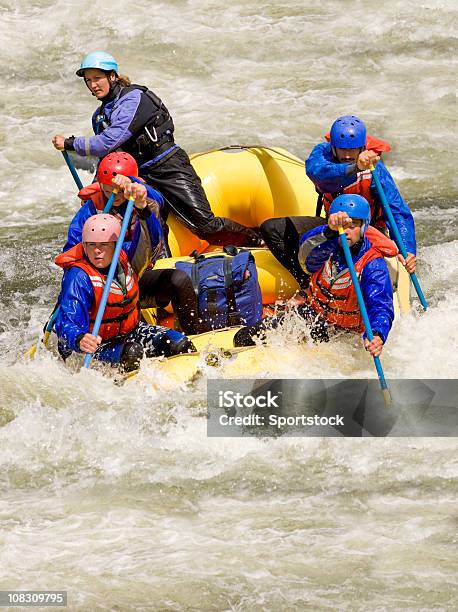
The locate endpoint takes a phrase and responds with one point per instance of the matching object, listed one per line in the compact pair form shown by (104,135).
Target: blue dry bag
(226,287)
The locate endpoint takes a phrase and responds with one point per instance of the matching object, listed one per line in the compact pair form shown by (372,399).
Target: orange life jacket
(122,309)
(94,192)
(334,297)
(362,184)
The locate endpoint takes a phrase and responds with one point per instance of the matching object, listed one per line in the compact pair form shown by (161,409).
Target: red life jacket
(94,192)
(362,184)
(334,298)
(122,310)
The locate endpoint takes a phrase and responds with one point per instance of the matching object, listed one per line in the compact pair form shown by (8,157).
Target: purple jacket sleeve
(116,133)
(75,301)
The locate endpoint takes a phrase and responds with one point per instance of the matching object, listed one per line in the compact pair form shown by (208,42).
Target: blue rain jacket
(316,248)
(76,294)
(88,209)
(330,176)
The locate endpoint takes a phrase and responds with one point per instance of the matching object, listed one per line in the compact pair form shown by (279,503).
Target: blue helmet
(355,206)
(348,132)
(99,60)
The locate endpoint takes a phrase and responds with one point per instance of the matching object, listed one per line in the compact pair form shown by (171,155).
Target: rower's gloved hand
(245,335)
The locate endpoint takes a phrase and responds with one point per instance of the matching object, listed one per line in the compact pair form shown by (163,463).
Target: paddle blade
(388,400)
(31,352)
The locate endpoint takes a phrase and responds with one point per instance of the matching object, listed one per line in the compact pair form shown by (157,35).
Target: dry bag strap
(195,280)
(211,303)
(233,317)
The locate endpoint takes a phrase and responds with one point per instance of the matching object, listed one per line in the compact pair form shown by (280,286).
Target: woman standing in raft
(134,119)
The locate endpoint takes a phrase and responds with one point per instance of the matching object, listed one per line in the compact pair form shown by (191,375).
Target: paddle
(72,169)
(397,235)
(110,276)
(30,354)
(362,307)
(49,325)
(109,204)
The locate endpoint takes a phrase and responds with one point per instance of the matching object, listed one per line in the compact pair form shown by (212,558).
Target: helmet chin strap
(364,226)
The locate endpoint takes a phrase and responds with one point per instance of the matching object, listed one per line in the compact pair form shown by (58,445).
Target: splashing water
(115,493)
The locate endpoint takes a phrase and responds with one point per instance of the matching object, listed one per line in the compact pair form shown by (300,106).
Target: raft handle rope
(247,148)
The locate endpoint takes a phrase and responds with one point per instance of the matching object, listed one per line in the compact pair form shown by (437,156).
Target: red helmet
(101,228)
(116,163)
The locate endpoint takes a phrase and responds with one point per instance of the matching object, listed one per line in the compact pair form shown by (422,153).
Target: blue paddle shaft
(397,236)
(79,184)
(72,169)
(53,317)
(107,209)
(109,204)
(361,304)
(110,276)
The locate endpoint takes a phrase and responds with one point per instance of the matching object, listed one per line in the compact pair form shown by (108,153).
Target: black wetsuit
(282,236)
(160,287)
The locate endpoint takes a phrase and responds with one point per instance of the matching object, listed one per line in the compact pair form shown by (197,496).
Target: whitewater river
(115,494)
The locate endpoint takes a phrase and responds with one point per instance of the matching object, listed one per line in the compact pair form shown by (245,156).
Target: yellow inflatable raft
(250,185)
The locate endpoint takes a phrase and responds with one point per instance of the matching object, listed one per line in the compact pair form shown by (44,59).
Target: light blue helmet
(348,132)
(355,206)
(99,60)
